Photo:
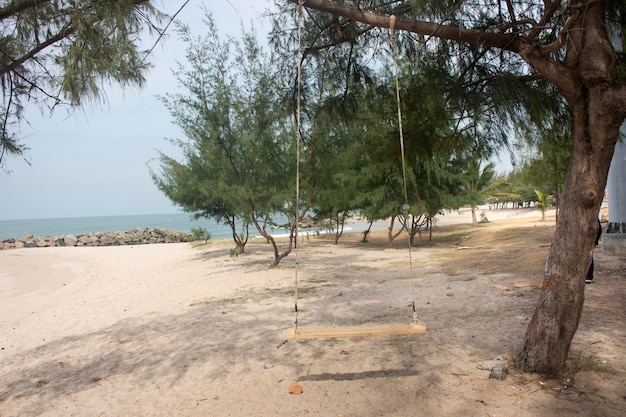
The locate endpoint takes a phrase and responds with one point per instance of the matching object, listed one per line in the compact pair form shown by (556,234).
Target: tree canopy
(238,150)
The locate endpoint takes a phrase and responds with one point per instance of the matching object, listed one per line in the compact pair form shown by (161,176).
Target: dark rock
(499,372)
(130,237)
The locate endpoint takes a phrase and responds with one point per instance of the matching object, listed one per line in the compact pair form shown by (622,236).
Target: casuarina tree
(238,158)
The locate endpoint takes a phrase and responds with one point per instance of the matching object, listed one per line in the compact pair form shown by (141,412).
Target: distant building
(614,237)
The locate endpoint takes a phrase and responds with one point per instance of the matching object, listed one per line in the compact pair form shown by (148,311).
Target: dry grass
(578,362)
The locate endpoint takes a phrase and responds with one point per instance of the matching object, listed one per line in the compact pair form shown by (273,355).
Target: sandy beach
(179,330)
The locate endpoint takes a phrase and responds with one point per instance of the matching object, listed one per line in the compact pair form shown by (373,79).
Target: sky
(94,161)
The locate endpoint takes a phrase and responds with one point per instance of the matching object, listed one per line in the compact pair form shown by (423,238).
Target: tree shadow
(161,348)
(353,376)
(227,338)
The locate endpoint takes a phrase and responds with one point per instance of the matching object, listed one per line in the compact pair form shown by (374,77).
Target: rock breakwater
(130,237)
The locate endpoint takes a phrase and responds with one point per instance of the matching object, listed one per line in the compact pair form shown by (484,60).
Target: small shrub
(200,233)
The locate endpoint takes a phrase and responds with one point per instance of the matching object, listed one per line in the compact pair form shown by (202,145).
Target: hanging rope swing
(298,332)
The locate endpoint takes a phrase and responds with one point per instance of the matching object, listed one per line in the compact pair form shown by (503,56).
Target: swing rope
(298,141)
(416,326)
(394,47)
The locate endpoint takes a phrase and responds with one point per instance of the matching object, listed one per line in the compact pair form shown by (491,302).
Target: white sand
(169,330)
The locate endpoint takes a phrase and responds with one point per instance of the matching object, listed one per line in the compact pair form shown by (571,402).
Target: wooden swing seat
(355,331)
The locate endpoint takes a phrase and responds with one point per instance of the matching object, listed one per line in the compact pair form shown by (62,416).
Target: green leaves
(63,52)
(239,160)
(543,202)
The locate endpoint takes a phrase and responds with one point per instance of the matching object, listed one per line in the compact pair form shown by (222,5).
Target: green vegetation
(236,111)
(200,233)
(479,183)
(543,203)
(238,153)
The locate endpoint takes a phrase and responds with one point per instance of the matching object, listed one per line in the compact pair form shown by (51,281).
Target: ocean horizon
(179,222)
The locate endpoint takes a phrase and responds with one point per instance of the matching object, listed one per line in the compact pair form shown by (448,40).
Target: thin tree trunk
(474,223)
(417,222)
(430,229)
(278,255)
(341,221)
(367,232)
(240,244)
(391,235)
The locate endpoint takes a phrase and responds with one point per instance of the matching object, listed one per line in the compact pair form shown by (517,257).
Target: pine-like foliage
(238,164)
(58,52)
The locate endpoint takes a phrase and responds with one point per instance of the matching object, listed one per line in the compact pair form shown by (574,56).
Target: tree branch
(511,11)
(19,6)
(550,10)
(509,42)
(64,33)
(528,48)
(162,32)
(560,41)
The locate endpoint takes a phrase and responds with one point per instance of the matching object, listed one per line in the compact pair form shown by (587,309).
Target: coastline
(176,225)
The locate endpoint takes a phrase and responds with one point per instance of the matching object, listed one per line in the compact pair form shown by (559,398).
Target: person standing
(589,278)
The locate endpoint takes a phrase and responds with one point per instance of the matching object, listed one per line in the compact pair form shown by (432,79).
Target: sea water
(180,222)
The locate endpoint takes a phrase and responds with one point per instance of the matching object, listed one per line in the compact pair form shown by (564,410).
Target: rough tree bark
(554,323)
(587,79)
(589,86)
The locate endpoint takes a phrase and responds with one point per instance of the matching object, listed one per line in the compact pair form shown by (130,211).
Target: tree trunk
(278,255)
(557,193)
(240,241)
(417,222)
(474,223)
(554,323)
(367,231)
(341,221)
(391,236)
(597,109)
